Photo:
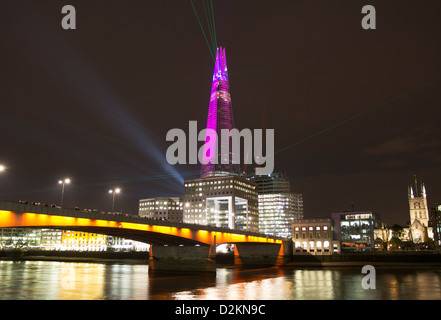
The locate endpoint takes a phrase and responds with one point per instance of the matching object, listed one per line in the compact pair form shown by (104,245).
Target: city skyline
(355,111)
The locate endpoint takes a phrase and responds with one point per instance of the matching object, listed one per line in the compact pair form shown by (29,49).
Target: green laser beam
(214,24)
(358,115)
(210,28)
(202,29)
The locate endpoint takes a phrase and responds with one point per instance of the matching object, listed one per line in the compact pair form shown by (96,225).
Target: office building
(355,230)
(222,201)
(314,236)
(163,208)
(278,206)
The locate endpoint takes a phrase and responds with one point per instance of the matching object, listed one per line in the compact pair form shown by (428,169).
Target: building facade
(278,206)
(17,238)
(82,241)
(162,208)
(64,240)
(436,225)
(355,230)
(222,201)
(314,236)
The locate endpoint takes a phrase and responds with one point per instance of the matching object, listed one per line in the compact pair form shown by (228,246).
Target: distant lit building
(15,238)
(436,225)
(121,244)
(278,206)
(419,230)
(227,201)
(51,239)
(314,236)
(163,208)
(65,240)
(82,241)
(355,230)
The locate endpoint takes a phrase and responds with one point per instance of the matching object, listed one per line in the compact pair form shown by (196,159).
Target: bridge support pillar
(253,254)
(181,259)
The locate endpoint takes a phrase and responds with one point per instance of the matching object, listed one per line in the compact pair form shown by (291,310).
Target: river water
(29,280)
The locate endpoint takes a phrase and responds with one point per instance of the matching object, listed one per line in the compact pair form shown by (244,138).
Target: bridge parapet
(125,218)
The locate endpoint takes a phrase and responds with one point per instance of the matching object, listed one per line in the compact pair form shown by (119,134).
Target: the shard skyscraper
(220,116)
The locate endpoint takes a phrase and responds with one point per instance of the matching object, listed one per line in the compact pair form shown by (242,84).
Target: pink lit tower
(220,116)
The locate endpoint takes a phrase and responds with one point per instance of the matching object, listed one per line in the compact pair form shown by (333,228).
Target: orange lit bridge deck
(152,231)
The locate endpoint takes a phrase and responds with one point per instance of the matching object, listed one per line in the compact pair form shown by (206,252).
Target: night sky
(356,112)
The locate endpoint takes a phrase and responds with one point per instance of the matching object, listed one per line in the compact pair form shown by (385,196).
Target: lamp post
(63,182)
(114,192)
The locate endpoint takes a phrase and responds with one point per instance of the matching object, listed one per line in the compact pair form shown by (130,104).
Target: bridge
(174,246)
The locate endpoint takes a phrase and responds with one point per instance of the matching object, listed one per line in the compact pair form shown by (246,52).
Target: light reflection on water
(72,280)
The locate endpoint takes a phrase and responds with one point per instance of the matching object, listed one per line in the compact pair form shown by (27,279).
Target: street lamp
(63,182)
(2,168)
(114,192)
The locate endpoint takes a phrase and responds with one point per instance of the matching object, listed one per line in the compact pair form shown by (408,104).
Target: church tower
(418,204)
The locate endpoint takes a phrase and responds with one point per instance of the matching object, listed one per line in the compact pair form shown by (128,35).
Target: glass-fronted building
(227,201)
(278,206)
(355,230)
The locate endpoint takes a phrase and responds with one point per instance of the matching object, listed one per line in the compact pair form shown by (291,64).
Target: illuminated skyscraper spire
(220,116)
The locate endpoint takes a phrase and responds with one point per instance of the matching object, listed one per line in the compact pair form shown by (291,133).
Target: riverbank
(358,264)
(76,256)
(395,259)
(406,259)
